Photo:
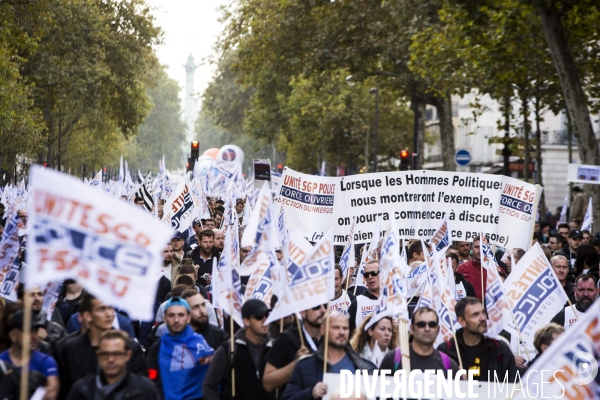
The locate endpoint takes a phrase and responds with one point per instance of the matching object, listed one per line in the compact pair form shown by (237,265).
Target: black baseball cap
(575,233)
(254,308)
(16,321)
(178,235)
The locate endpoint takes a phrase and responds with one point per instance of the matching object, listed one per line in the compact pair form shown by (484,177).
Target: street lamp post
(375,91)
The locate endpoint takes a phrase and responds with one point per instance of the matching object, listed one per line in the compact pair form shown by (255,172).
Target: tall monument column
(191,108)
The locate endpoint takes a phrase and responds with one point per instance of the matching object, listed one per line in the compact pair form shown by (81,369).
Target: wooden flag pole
(520,335)
(404,344)
(299,331)
(232,345)
(326,344)
(572,308)
(26,350)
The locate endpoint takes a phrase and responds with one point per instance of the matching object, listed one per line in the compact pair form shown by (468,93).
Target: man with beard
(365,303)
(203,255)
(177,253)
(306,380)
(288,349)
(214,335)
(424,328)
(179,360)
(343,299)
(585,294)
(252,344)
(464,252)
(488,358)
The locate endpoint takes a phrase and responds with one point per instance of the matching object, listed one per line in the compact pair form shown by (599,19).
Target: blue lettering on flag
(534,298)
(306,198)
(516,204)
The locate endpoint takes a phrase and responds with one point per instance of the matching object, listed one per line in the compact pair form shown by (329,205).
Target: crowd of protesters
(90,350)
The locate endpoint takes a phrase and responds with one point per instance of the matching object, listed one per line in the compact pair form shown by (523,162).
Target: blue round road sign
(462,157)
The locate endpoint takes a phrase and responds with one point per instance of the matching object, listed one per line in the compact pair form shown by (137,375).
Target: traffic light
(405,160)
(45,164)
(279,167)
(189,166)
(195,150)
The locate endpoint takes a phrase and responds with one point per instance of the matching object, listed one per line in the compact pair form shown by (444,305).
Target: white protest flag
(50,293)
(264,261)
(312,284)
(392,294)
(112,249)
(9,258)
(347,259)
(377,356)
(443,300)
(415,279)
(588,219)
(226,286)
(203,211)
(178,211)
(370,253)
(281,225)
(426,298)
(563,212)
(496,304)
(534,293)
(442,237)
(97,181)
(121,172)
(251,233)
(570,364)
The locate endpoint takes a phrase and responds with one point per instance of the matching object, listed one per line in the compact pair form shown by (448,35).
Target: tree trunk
(525,113)
(418,108)
(444,110)
(538,156)
(575,98)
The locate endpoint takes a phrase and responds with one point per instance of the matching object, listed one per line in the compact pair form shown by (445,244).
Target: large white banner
(179,209)
(111,248)
(419,200)
(308,202)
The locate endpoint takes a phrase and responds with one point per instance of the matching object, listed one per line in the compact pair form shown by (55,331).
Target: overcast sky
(189,26)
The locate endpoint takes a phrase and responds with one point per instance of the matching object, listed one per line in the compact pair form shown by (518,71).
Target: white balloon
(231,152)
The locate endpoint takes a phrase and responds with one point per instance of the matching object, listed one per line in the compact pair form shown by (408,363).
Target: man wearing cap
(252,344)
(177,253)
(575,237)
(178,361)
(192,241)
(38,362)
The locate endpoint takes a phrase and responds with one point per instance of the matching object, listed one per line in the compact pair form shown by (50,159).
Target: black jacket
(570,292)
(469,289)
(496,356)
(76,358)
(560,317)
(205,266)
(309,371)
(214,335)
(248,377)
(132,387)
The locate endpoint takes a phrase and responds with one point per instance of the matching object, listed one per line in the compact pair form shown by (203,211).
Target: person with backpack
(424,329)
(251,347)
(489,358)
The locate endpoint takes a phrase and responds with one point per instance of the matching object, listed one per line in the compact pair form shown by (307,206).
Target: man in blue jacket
(178,361)
(305,382)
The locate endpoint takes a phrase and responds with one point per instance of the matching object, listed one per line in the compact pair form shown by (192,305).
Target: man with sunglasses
(113,381)
(365,303)
(488,358)
(424,328)
(287,348)
(252,344)
(178,362)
